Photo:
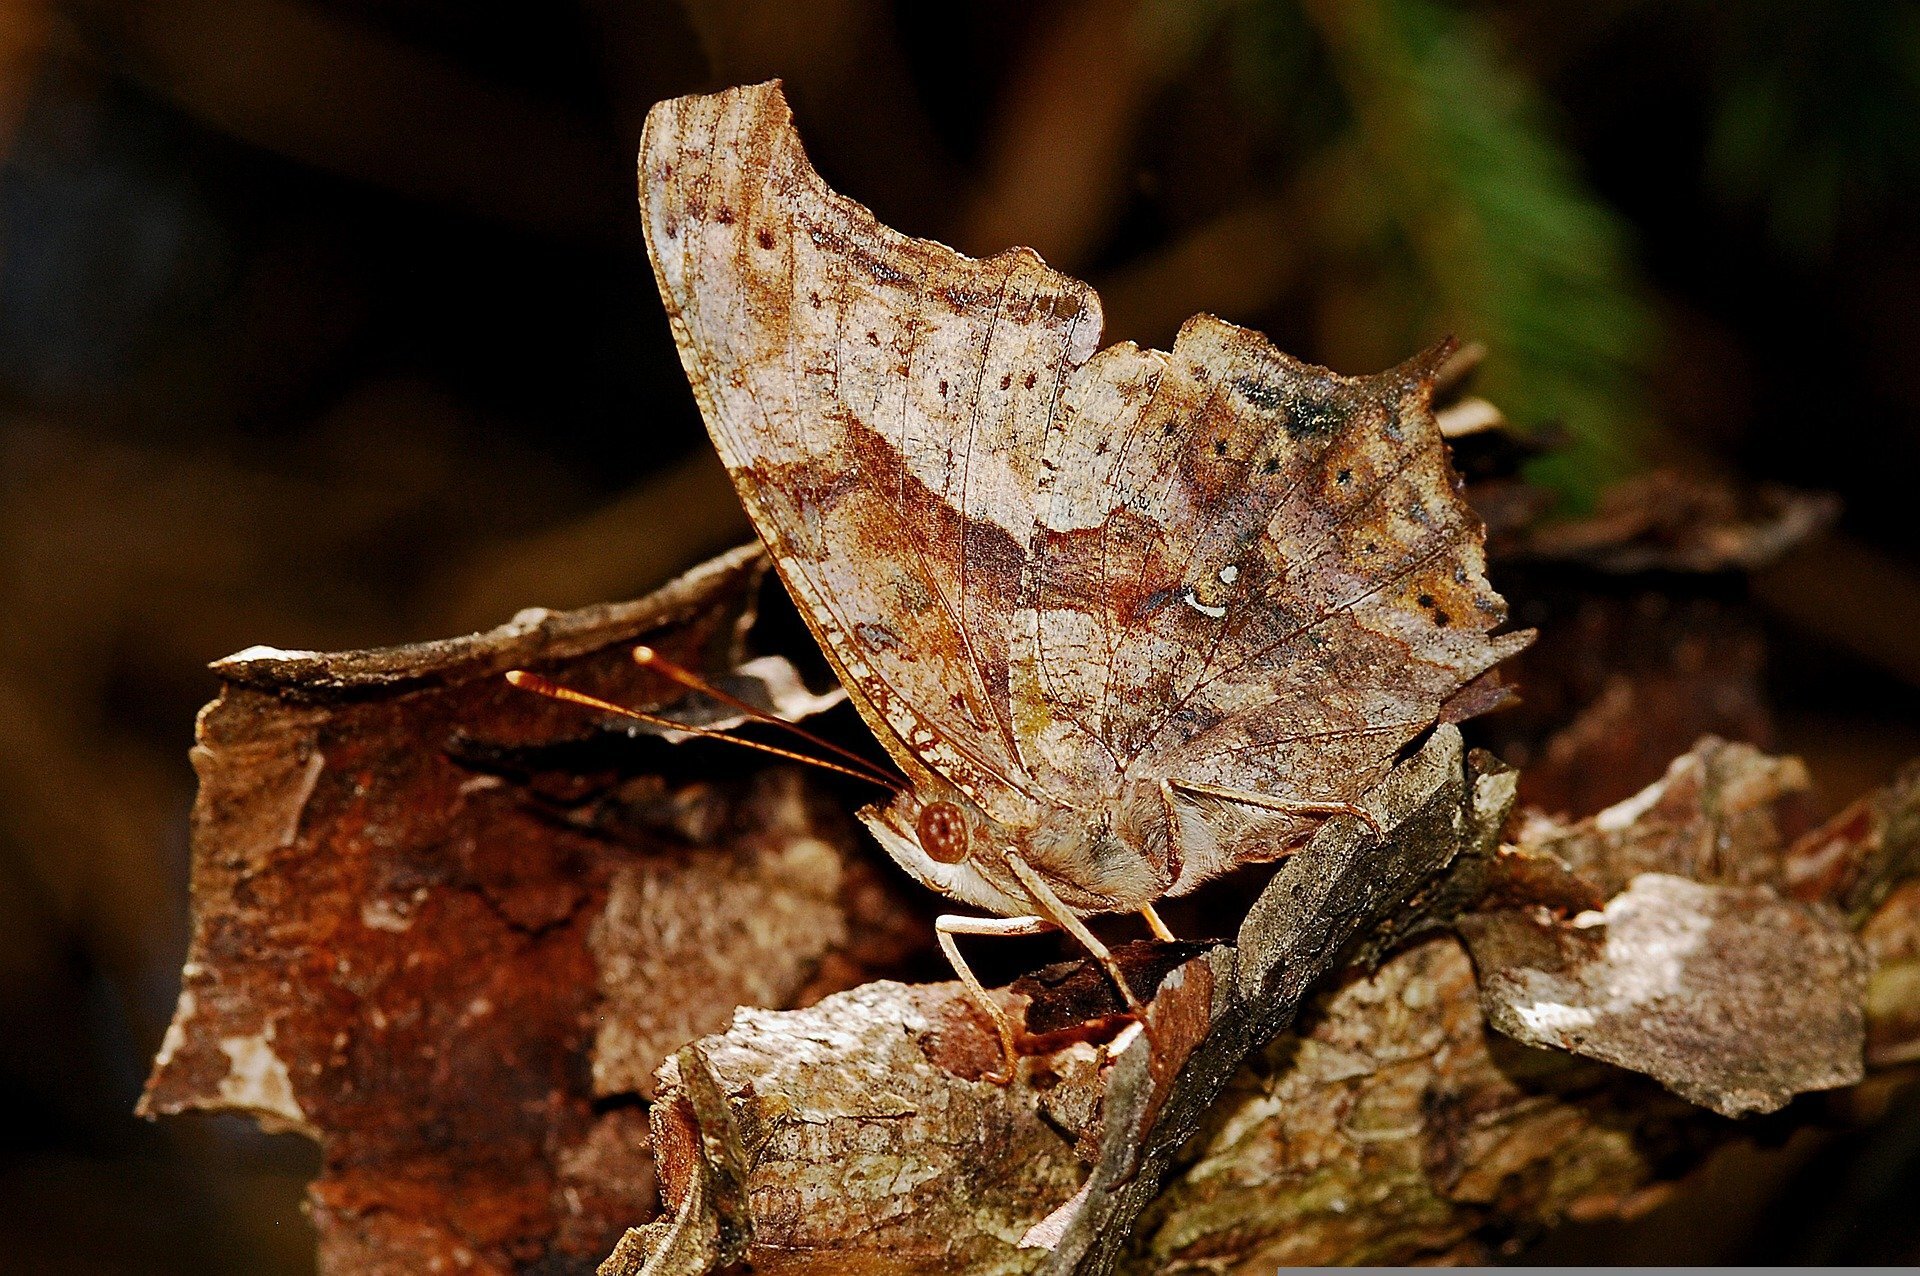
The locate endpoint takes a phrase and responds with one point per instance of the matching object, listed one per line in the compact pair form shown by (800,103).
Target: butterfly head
(943,838)
(949,845)
(943,832)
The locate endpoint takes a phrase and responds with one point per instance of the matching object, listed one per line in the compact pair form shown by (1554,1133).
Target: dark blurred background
(327,323)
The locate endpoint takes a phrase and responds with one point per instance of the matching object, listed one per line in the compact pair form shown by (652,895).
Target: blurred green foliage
(1465,197)
(1816,114)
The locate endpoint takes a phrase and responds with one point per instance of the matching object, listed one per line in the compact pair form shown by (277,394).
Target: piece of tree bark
(1394,1128)
(402,871)
(1667,521)
(1712,968)
(1730,996)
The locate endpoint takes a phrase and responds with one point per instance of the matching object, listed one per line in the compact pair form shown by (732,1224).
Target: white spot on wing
(1216,612)
(1229,573)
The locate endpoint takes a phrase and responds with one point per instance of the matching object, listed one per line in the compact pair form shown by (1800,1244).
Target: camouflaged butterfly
(1125,619)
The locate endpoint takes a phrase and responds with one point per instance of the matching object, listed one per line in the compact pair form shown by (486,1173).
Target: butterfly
(1124,619)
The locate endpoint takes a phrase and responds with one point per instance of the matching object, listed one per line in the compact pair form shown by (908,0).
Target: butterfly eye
(943,832)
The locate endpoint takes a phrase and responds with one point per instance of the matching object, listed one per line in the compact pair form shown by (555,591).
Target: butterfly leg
(1285,806)
(945,927)
(1060,915)
(1158,927)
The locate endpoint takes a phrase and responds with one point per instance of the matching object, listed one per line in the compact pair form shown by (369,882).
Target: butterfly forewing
(880,401)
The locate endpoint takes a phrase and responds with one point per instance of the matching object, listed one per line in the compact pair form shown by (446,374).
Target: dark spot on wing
(1031,378)
(1425,600)
(1272,465)
(882,270)
(878,637)
(1219,447)
(1006,381)
(724,216)
(1344,476)
(763,237)
(1264,395)
(1314,418)
(1066,305)
(1153,602)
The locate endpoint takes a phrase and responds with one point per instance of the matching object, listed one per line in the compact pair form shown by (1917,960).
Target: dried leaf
(1626,674)
(1892,940)
(1619,685)
(1856,857)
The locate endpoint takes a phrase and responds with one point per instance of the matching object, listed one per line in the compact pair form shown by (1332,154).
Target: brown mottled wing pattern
(1050,573)
(881,402)
(1258,576)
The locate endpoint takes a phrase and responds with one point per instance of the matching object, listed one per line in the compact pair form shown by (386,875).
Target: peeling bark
(1730,996)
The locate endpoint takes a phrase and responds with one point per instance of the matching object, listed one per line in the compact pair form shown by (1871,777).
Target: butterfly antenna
(533,682)
(647,658)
